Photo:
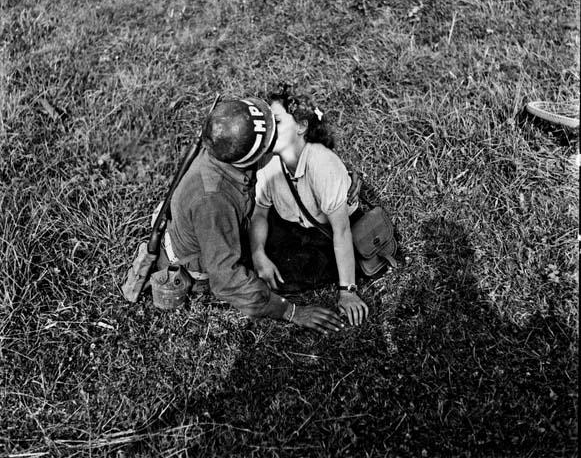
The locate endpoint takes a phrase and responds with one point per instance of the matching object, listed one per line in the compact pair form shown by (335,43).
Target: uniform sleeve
(218,231)
(329,179)
(263,197)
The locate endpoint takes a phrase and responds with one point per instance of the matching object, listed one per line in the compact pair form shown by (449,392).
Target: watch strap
(352,288)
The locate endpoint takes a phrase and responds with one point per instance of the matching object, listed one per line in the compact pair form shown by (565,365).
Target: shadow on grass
(439,373)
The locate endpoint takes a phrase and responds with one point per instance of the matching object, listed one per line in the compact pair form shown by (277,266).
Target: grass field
(471,348)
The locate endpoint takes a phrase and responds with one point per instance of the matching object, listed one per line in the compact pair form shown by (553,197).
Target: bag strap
(302,207)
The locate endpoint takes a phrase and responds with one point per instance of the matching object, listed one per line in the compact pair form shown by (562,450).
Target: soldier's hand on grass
(353,307)
(267,270)
(318,318)
(354,189)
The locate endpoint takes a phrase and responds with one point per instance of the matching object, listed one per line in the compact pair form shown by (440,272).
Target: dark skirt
(305,257)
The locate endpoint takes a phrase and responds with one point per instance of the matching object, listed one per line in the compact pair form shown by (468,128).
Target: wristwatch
(352,288)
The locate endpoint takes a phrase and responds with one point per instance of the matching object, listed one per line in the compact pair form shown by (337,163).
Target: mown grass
(471,348)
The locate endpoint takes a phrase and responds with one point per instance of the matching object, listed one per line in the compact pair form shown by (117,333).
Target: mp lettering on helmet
(259,124)
(255,111)
(263,128)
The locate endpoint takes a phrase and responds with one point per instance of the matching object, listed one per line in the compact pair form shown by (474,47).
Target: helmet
(239,132)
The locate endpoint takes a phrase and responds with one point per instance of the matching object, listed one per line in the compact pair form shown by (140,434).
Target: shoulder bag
(373,235)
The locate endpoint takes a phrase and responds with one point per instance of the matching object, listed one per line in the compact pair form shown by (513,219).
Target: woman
(283,242)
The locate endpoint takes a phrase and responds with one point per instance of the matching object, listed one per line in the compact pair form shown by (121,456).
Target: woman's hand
(266,269)
(318,318)
(351,305)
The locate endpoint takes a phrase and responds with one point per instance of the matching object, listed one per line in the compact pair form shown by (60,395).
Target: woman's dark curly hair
(302,109)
